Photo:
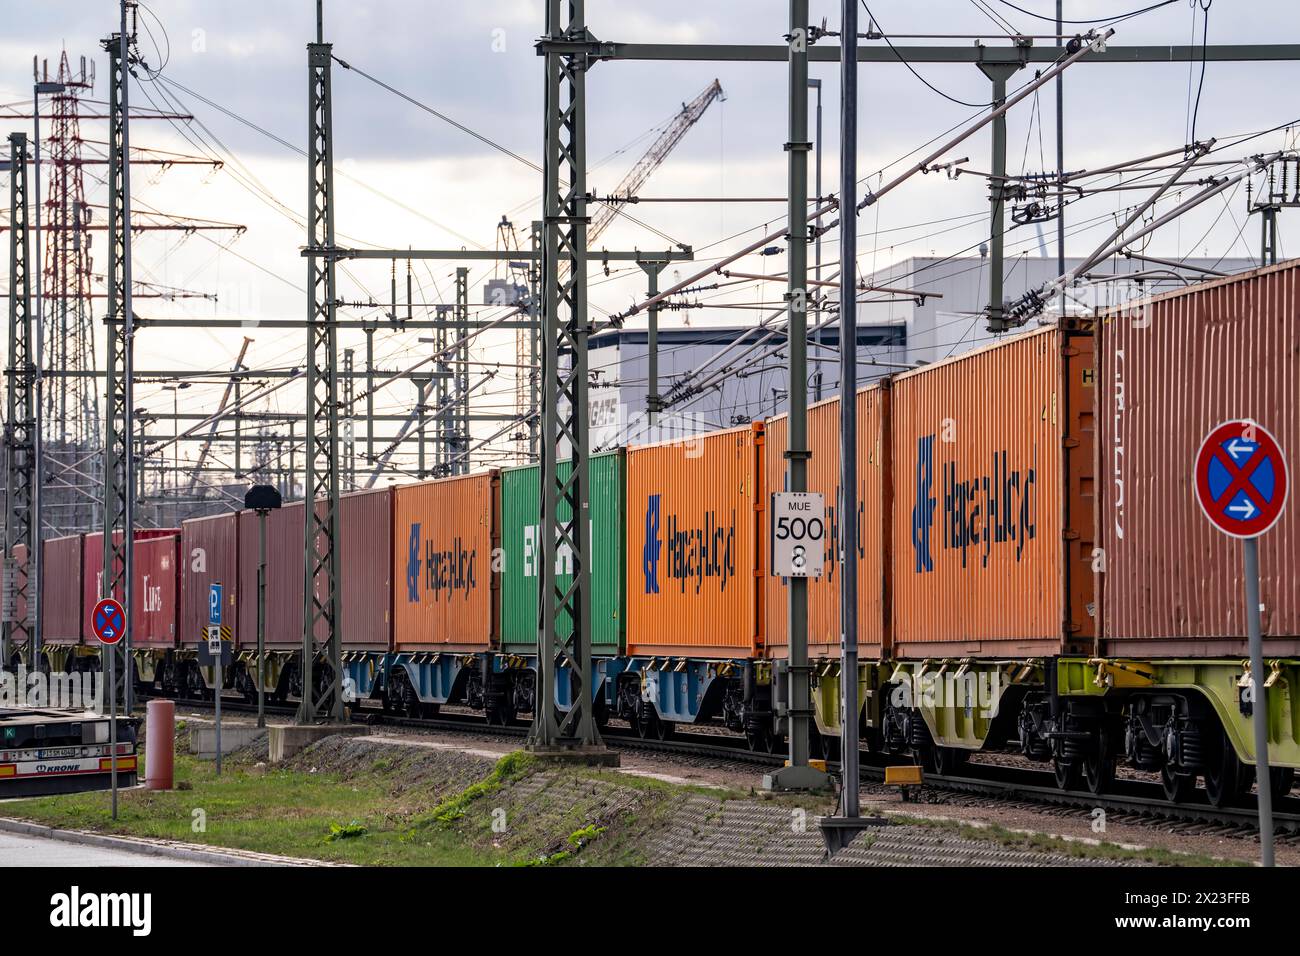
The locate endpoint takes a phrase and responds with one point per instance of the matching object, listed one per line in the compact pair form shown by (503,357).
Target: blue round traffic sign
(108,621)
(1241,478)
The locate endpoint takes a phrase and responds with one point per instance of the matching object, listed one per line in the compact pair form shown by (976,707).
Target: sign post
(215,649)
(262,499)
(108,621)
(1241,484)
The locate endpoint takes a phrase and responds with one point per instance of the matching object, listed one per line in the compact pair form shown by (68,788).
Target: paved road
(19,850)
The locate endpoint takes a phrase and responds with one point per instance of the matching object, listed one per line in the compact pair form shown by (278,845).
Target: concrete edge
(192,853)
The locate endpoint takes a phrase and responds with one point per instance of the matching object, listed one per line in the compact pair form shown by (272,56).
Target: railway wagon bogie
(1190,717)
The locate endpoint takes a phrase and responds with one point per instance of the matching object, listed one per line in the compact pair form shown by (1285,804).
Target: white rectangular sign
(214,640)
(797,523)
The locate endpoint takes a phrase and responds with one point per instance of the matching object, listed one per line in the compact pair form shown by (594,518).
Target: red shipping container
(209,555)
(695,546)
(1172,368)
(154,616)
(61,591)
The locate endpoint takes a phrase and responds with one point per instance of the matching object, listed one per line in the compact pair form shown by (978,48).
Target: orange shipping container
(872,523)
(695,545)
(444,584)
(993,500)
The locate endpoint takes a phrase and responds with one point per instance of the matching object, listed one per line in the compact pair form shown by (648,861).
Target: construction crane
(653,158)
(523,279)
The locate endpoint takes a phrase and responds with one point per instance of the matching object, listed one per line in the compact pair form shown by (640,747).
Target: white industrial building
(714,377)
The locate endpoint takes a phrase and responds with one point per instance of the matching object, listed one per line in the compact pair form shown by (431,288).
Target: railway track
(1130,802)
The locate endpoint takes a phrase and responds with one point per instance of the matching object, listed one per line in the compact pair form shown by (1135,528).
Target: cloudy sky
(406,178)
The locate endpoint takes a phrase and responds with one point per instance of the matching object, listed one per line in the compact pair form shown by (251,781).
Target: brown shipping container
(364,535)
(20,593)
(872,524)
(209,555)
(444,593)
(695,545)
(993,511)
(61,591)
(366,568)
(284,574)
(1169,373)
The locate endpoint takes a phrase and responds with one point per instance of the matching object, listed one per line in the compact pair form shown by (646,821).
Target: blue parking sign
(214,604)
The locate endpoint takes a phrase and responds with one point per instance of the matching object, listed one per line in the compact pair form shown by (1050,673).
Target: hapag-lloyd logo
(704,552)
(650,550)
(1117,451)
(980,509)
(452,569)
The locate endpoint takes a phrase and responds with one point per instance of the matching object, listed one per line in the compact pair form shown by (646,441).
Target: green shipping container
(520,494)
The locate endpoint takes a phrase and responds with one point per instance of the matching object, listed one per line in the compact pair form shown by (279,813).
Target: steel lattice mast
(69,337)
(20,411)
(321,480)
(119,469)
(564,613)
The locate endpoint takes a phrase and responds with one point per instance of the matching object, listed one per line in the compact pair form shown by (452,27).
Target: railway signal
(1241,483)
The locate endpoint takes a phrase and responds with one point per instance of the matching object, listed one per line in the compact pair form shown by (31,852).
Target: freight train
(1034,573)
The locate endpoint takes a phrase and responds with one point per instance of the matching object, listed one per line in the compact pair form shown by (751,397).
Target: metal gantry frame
(441,392)
(119,464)
(20,416)
(456,416)
(321,691)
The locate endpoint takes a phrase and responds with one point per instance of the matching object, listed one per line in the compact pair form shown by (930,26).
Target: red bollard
(160,744)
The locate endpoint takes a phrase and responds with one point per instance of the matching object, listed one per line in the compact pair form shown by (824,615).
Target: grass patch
(272,810)
(509,767)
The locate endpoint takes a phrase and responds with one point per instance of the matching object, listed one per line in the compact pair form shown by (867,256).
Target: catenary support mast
(564,612)
(321,679)
(119,466)
(20,414)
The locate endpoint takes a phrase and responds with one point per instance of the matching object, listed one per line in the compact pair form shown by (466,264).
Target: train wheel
(502,712)
(831,747)
(1067,774)
(944,761)
(1178,786)
(1281,780)
(1226,780)
(1099,766)
(401,695)
(664,729)
(646,722)
(757,739)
